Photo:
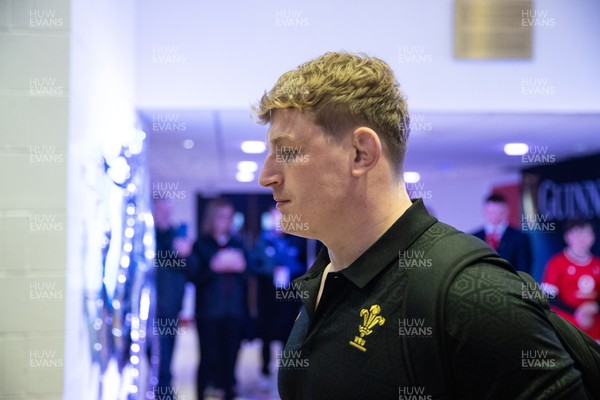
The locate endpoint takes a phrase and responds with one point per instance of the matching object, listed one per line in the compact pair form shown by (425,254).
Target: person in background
(510,243)
(572,279)
(218,270)
(172,248)
(276,260)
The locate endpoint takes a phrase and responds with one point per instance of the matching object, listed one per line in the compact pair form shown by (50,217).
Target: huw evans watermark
(418,190)
(167,393)
(291,359)
(414,327)
(45,19)
(414,55)
(413,259)
(290,154)
(537,19)
(531,291)
(537,86)
(45,86)
(537,359)
(169,259)
(45,222)
(291,222)
(290,291)
(168,122)
(538,155)
(168,54)
(45,154)
(291,18)
(167,327)
(45,359)
(45,290)
(537,223)
(168,191)
(419,123)
(413,393)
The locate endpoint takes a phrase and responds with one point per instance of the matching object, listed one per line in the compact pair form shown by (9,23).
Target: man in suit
(510,243)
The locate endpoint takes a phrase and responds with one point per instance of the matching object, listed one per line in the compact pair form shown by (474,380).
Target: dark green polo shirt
(350,347)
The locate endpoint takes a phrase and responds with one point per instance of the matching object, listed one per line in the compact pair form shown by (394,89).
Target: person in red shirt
(572,279)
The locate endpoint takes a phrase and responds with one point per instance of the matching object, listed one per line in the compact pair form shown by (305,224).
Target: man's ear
(367,148)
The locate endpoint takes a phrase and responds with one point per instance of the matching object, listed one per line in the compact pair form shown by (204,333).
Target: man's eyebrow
(278,140)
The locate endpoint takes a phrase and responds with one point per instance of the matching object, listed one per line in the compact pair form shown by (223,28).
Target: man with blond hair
(338,134)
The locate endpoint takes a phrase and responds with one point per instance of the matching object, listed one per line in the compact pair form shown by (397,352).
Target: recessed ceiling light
(253,147)
(411,177)
(515,149)
(247,166)
(243,176)
(188,144)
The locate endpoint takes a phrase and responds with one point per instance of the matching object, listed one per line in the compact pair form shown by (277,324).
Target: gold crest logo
(371,318)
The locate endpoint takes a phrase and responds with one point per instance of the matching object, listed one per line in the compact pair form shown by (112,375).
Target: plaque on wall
(493,29)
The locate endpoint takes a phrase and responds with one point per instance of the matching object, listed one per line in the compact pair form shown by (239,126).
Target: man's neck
(362,228)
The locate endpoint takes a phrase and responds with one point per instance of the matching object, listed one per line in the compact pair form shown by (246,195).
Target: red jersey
(574,284)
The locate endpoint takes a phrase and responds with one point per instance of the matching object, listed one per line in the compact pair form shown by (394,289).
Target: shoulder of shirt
(482,296)
(482,267)
(483,276)
(560,256)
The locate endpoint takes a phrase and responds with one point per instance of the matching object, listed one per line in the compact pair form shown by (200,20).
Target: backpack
(425,298)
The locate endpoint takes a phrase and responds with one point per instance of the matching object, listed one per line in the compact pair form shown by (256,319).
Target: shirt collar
(495,229)
(386,249)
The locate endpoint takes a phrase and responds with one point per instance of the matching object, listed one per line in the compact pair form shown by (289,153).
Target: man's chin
(302,234)
(293,230)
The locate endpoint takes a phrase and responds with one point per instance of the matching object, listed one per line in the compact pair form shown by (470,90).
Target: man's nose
(270,175)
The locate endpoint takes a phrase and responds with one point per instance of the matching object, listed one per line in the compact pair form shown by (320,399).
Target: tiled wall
(34,90)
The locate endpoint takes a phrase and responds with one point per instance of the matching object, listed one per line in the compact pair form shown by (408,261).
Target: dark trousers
(266,356)
(167,344)
(219,344)
(165,335)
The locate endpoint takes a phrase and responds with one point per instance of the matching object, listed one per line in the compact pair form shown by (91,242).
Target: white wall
(457,197)
(225,55)
(34,89)
(101,109)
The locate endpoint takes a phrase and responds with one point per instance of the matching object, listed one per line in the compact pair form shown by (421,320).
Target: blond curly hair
(343,91)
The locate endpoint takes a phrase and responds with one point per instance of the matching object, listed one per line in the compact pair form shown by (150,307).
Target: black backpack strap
(446,252)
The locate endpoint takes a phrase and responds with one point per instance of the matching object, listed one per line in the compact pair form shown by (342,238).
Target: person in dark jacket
(512,244)
(276,261)
(218,270)
(170,263)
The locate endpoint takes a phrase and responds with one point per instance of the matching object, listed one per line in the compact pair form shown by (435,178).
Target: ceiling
(440,146)
(200,65)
